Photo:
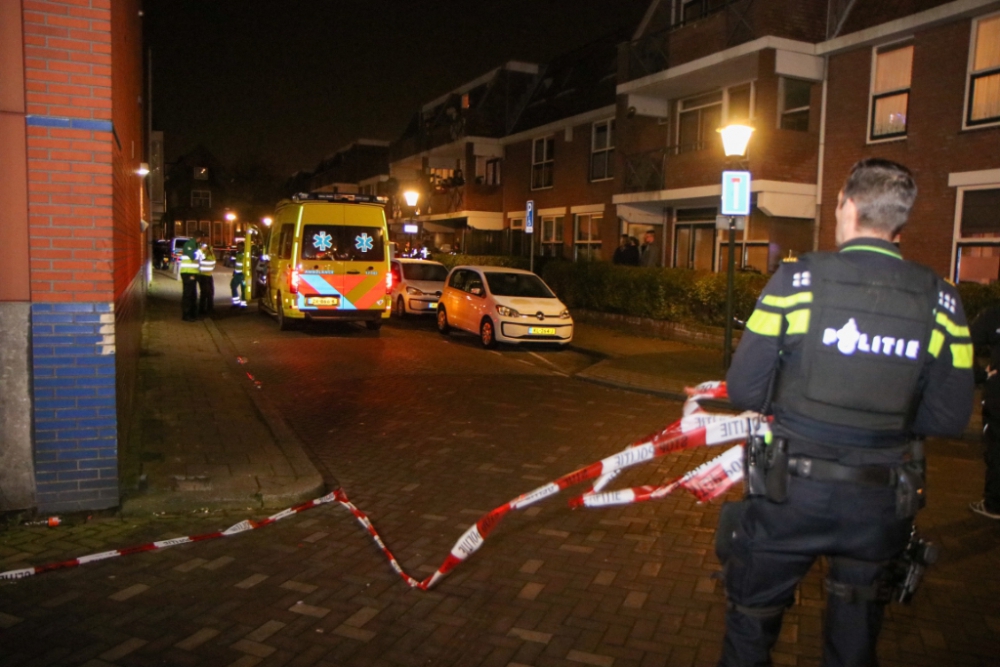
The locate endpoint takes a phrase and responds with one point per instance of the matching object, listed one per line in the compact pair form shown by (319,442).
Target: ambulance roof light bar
(339,197)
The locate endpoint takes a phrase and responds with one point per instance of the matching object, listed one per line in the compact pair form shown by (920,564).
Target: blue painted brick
(82,415)
(78,475)
(55,362)
(109,433)
(98,403)
(43,372)
(41,307)
(79,371)
(52,318)
(98,360)
(59,486)
(56,466)
(44,456)
(76,392)
(55,404)
(78,351)
(87,340)
(102,307)
(94,318)
(44,477)
(78,307)
(53,382)
(100,484)
(78,434)
(42,437)
(97,422)
(45,415)
(44,393)
(41,329)
(74,455)
(55,340)
(105,370)
(38,351)
(100,464)
(85,329)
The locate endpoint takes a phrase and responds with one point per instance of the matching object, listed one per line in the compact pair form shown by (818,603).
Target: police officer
(206,281)
(189,272)
(853,353)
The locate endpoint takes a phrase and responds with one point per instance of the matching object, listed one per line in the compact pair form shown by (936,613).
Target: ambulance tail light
(293,280)
(388,282)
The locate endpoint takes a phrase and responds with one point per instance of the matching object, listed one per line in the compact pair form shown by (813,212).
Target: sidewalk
(202,437)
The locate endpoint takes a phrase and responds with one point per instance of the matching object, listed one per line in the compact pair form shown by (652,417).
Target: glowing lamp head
(735,139)
(411,197)
(267,221)
(143,169)
(230,216)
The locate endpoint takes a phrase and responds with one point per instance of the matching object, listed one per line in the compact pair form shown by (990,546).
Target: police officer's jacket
(853,353)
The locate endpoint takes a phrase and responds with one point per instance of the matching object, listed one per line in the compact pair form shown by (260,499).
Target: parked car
(503,305)
(176,246)
(416,286)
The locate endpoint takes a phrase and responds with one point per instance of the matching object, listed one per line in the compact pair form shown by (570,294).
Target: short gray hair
(883,192)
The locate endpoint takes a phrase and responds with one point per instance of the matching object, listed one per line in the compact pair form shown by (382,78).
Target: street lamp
(267,220)
(735,202)
(411,197)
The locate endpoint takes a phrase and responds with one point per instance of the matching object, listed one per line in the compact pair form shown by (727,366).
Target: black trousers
(189,296)
(991,442)
(854,526)
(206,301)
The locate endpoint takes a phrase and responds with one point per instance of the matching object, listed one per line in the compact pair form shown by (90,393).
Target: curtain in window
(985,86)
(987,44)
(893,70)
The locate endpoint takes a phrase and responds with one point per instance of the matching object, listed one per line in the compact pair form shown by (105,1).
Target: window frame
(957,240)
(202,197)
(968,124)
(594,221)
(548,159)
(551,247)
(782,98)
(608,151)
(723,111)
(873,97)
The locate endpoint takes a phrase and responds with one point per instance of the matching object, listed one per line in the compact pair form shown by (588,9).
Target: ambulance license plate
(324,301)
(541,331)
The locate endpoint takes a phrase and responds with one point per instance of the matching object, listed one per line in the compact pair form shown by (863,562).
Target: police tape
(696,428)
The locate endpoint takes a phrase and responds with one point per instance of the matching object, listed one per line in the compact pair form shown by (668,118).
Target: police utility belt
(767,468)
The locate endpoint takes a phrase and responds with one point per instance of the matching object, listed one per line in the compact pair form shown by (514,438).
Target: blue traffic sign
(736,193)
(529,218)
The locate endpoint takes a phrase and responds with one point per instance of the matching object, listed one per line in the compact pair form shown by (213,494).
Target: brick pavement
(425,433)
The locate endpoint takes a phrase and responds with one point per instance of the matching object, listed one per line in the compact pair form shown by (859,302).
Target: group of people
(630,253)
(197,264)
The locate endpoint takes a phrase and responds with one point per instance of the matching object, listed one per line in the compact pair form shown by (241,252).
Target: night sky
(291,81)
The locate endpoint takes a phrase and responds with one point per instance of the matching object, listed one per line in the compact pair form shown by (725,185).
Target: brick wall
(935,144)
(84,127)
(571,185)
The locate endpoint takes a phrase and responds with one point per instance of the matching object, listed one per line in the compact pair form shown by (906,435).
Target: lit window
(794,96)
(699,117)
(984,75)
(543,152)
(891,91)
(587,244)
(602,150)
(977,248)
(201,199)
(201,173)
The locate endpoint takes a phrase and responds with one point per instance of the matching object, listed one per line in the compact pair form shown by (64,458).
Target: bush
(977,298)
(675,295)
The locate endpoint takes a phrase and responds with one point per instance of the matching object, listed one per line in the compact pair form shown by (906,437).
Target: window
(984,73)
(552,236)
(977,248)
(692,10)
(284,246)
(517,223)
(200,173)
(890,91)
(487,170)
(543,153)
(694,239)
(201,199)
(342,243)
(602,151)
(794,111)
(699,117)
(587,244)
(752,247)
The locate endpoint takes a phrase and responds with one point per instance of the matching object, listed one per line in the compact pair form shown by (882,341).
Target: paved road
(426,433)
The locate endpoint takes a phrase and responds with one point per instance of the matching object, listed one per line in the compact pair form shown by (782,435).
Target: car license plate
(324,301)
(541,331)
(432,305)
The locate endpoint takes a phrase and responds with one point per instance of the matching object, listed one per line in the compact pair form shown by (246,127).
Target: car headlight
(507,312)
(564,314)
(413,291)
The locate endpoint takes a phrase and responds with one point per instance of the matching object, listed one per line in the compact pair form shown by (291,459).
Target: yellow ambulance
(328,259)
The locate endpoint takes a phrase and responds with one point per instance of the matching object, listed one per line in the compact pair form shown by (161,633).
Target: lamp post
(734,202)
(412,197)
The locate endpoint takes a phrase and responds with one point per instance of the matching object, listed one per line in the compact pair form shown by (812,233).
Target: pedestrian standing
(189,270)
(649,254)
(206,279)
(237,284)
(986,333)
(853,353)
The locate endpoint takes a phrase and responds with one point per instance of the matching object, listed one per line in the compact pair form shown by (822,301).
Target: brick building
(72,284)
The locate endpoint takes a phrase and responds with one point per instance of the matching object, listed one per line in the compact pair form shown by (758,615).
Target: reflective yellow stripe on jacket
(767,318)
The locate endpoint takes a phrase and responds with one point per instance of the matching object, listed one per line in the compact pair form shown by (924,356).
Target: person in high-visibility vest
(206,281)
(237,284)
(189,271)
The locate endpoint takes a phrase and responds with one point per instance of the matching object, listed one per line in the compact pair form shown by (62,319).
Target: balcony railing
(644,171)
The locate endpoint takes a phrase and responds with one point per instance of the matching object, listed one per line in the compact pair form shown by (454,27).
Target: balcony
(467,197)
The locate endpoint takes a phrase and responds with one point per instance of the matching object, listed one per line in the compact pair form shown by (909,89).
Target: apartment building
(361,166)
(824,83)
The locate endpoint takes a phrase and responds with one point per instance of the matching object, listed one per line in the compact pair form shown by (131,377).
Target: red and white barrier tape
(695,429)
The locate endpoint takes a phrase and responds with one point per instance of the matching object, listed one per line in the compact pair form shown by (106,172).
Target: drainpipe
(821,152)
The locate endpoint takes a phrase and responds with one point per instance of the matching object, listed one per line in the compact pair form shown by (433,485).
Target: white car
(503,305)
(416,286)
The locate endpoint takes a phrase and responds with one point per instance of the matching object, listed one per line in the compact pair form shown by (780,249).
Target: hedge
(675,295)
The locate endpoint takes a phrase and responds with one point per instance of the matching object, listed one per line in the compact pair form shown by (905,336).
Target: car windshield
(343,243)
(518,284)
(429,272)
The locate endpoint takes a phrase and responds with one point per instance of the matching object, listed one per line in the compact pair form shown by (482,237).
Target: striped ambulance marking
(319,284)
(364,291)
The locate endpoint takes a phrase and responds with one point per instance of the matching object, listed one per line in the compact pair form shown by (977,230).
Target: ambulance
(328,259)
